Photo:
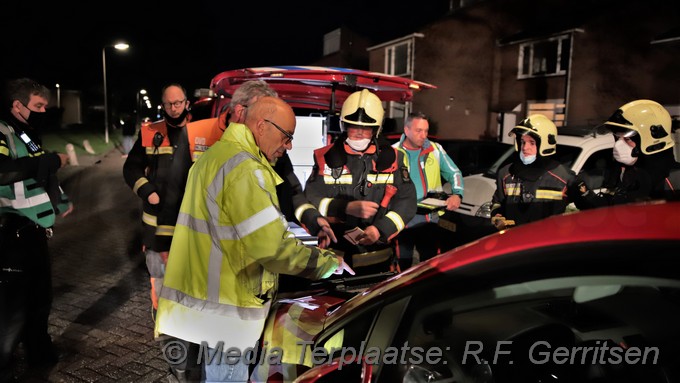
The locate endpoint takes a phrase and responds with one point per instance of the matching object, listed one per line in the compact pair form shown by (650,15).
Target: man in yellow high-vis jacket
(231,242)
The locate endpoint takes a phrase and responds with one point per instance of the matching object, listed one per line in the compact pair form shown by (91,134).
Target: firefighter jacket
(654,176)
(433,164)
(230,244)
(342,175)
(28,183)
(159,162)
(527,193)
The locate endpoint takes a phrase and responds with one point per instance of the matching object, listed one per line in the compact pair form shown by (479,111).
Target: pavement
(101,316)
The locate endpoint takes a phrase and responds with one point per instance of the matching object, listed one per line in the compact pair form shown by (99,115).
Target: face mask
(623,153)
(527,160)
(175,121)
(36,120)
(358,145)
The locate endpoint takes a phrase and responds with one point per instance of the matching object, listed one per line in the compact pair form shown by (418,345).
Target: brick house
(496,61)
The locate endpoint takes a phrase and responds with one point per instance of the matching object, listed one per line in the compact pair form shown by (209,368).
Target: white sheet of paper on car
(302,234)
(433,204)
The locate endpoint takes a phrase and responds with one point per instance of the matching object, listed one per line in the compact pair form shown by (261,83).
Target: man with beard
(30,197)
(533,186)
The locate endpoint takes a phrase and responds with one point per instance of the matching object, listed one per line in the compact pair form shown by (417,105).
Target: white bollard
(72,157)
(88,147)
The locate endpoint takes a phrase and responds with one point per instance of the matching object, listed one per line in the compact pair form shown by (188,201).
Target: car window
(536,326)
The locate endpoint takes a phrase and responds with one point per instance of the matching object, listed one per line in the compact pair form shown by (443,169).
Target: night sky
(189,43)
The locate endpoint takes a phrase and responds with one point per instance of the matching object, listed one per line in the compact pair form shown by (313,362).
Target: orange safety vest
(203,133)
(149,131)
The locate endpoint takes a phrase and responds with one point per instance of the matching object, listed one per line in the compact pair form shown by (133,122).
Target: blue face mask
(527,160)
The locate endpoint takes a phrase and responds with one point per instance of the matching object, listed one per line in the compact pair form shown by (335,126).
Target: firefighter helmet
(542,129)
(646,119)
(362,108)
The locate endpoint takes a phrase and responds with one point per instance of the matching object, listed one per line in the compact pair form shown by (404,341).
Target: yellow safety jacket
(231,242)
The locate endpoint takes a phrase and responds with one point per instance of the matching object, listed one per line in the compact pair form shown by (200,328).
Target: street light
(121,47)
(58,96)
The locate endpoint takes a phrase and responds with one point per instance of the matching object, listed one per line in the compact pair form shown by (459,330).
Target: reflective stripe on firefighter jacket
(26,197)
(434,164)
(159,162)
(341,175)
(230,244)
(530,193)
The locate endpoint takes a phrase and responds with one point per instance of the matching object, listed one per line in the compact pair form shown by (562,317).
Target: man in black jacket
(30,198)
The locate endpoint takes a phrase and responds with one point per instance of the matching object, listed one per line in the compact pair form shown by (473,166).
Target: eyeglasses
(289,137)
(176,104)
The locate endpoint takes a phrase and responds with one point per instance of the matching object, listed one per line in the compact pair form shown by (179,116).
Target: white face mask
(358,145)
(623,152)
(527,160)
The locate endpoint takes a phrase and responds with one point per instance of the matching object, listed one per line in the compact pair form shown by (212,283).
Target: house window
(331,42)
(544,58)
(398,59)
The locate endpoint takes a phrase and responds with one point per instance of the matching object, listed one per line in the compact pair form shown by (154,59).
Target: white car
(586,152)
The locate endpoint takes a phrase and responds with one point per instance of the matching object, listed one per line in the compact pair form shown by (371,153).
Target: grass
(56,140)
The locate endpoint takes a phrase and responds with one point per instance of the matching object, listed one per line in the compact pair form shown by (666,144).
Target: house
(496,61)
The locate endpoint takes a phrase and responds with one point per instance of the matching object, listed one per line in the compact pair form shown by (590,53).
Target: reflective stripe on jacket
(436,164)
(357,178)
(160,166)
(25,197)
(230,244)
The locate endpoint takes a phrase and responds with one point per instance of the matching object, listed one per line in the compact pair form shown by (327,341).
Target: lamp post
(121,47)
(58,96)
(138,106)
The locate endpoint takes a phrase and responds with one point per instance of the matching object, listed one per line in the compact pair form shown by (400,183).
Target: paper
(434,202)
(352,235)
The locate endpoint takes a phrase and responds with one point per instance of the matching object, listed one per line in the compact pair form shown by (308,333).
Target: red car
(592,296)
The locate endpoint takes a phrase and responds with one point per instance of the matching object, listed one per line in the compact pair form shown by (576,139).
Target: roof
(316,87)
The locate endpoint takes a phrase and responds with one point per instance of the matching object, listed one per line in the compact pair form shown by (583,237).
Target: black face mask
(175,121)
(36,120)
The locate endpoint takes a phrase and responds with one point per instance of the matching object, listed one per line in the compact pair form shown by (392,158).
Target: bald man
(231,242)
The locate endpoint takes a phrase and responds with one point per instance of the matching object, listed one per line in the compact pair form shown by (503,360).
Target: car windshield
(565,154)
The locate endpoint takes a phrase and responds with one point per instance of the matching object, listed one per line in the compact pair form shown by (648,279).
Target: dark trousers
(25,292)
(424,238)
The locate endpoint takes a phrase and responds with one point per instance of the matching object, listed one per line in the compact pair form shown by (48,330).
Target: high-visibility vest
(26,198)
(232,238)
(203,133)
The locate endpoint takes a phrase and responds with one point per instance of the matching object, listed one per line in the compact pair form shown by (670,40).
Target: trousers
(25,292)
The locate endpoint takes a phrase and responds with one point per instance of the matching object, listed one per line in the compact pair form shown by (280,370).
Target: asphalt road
(101,316)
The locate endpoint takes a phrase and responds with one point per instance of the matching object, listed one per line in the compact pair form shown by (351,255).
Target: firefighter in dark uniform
(30,198)
(156,170)
(361,187)
(534,185)
(644,158)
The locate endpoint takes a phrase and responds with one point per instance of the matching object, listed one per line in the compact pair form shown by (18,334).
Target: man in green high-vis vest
(30,198)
